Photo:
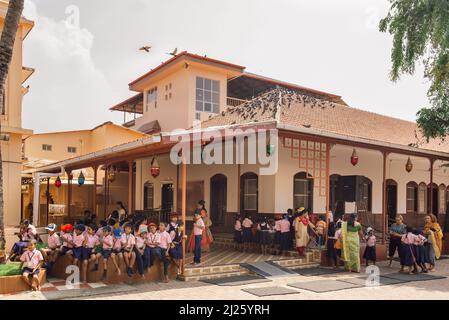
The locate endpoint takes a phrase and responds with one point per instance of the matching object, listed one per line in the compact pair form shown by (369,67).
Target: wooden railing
(233,102)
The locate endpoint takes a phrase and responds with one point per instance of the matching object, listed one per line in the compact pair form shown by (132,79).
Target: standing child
(32,260)
(320,231)
(176,251)
(264,239)
(238,231)
(139,249)
(420,250)
(50,253)
(128,243)
(408,254)
(164,244)
(90,243)
(247,235)
(284,225)
(338,241)
(198,227)
(277,231)
(370,249)
(173,225)
(117,249)
(331,253)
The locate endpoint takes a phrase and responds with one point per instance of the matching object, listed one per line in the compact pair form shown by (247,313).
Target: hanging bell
(111,174)
(354,158)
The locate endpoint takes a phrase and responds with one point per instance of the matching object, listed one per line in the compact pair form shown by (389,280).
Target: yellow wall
(11,124)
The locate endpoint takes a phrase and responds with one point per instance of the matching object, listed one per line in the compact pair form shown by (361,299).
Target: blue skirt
(408,255)
(420,254)
(264,238)
(370,253)
(277,237)
(285,240)
(176,252)
(238,236)
(247,235)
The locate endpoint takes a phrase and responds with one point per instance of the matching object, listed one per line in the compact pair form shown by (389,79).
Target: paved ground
(433,289)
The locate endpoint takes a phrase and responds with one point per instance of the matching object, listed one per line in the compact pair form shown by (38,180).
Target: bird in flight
(174,52)
(145,48)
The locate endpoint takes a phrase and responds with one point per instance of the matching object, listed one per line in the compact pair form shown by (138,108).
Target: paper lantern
(58,182)
(155,168)
(354,158)
(81,179)
(409,165)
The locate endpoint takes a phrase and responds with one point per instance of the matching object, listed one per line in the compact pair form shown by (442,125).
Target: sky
(86,52)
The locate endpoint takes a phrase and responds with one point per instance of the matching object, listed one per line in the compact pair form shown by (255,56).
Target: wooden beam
(94,191)
(384,197)
(48,198)
(327,183)
(184,208)
(130,186)
(69,192)
(105,192)
(238,188)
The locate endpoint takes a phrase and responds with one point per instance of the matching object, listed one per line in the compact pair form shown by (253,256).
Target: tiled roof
(298,110)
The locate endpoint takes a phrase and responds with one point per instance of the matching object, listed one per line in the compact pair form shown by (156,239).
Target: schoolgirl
(176,247)
(141,260)
(264,239)
(173,225)
(277,230)
(128,242)
(420,250)
(338,245)
(164,245)
(247,235)
(284,225)
(331,253)
(408,256)
(370,249)
(238,231)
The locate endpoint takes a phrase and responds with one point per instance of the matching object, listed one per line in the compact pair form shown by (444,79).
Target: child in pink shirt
(152,244)
(117,248)
(198,227)
(67,240)
(91,240)
(50,253)
(78,243)
(128,242)
(32,260)
(164,244)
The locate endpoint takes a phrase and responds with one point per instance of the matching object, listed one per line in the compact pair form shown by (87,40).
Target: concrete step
(212,272)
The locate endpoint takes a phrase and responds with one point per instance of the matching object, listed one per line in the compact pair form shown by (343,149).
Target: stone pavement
(433,289)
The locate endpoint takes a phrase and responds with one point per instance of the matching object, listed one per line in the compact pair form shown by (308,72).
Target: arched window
(365,195)
(422,198)
(442,199)
(249,192)
(303,190)
(412,197)
(148,196)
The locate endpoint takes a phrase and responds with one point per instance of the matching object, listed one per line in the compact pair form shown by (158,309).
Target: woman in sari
(434,234)
(207,234)
(302,224)
(351,232)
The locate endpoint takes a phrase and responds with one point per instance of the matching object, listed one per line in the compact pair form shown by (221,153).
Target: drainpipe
(37,176)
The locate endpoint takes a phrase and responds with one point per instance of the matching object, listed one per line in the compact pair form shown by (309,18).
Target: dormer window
(152,98)
(207,95)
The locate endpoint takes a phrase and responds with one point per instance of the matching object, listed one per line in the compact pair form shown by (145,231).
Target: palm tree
(11,24)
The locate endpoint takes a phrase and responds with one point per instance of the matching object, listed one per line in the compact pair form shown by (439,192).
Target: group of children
(135,243)
(273,236)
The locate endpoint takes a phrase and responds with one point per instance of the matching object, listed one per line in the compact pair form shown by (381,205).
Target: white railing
(233,102)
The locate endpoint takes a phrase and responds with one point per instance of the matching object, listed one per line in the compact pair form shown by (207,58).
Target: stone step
(209,276)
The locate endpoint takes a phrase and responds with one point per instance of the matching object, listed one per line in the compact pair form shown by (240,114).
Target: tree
(11,24)
(420,30)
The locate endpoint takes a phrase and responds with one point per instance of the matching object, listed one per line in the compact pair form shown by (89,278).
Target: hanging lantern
(354,158)
(409,165)
(155,169)
(81,179)
(58,182)
(111,174)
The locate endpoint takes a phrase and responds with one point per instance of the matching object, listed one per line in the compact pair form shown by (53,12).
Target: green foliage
(10,269)
(420,30)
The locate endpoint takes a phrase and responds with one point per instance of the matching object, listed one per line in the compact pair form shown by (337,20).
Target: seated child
(139,249)
(78,243)
(67,240)
(26,233)
(117,249)
(106,243)
(128,243)
(50,253)
(91,241)
(99,232)
(32,260)
(370,249)
(152,244)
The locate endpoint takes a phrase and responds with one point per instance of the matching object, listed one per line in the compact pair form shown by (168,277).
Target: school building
(12,131)
(331,157)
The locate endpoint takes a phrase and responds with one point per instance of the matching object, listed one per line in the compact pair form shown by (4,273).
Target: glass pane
(215,98)
(199,82)
(207,84)
(199,106)
(207,107)
(216,86)
(216,108)
(207,96)
(252,186)
(250,202)
(199,94)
